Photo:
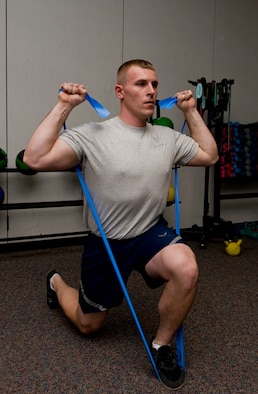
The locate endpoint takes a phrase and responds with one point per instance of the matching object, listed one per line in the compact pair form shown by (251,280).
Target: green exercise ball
(21,166)
(3,159)
(163,122)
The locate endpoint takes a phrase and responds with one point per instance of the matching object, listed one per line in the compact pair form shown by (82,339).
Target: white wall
(3,133)
(48,43)
(52,41)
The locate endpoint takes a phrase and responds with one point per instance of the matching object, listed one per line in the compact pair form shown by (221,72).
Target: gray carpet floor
(42,353)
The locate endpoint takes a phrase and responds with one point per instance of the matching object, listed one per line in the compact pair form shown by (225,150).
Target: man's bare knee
(191,273)
(91,322)
(175,263)
(186,268)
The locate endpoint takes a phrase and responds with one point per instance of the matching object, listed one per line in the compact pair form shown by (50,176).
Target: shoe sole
(181,385)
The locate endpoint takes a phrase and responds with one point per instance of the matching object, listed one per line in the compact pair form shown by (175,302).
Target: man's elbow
(214,159)
(27,159)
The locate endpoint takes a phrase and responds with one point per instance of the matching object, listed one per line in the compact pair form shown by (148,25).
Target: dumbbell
(21,166)
(163,121)
(3,159)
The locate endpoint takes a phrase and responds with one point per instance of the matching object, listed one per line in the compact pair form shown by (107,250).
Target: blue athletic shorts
(99,287)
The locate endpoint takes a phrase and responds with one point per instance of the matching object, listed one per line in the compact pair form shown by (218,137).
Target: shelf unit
(214,99)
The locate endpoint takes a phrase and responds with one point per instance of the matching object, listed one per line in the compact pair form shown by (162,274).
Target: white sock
(157,346)
(51,283)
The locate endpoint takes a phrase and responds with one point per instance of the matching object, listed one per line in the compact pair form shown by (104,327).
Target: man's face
(139,92)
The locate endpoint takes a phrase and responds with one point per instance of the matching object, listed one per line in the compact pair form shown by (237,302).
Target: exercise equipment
(99,108)
(180,336)
(163,121)
(21,166)
(213,98)
(113,261)
(1,195)
(169,103)
(180,332)
(171,195)
(239,158)
(111,256)
(233,248)
(3,159)
(250,230)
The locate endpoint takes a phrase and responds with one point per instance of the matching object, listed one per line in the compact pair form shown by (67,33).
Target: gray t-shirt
(128,172)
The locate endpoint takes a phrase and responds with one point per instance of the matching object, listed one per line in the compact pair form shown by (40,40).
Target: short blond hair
(121,72)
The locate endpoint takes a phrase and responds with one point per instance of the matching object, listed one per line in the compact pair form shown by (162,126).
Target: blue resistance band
(177,193)
(113,261)
(169,103)
(99,108)
(180,332)
(101,112)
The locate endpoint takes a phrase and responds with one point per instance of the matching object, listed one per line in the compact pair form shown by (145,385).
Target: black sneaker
(52,300)
(171,374)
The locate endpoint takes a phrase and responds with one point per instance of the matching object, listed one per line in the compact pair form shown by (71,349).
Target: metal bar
(41,204)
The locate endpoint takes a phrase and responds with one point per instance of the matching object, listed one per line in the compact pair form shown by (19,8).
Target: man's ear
(119,91)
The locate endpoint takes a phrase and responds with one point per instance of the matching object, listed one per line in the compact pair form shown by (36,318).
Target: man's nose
(150,89)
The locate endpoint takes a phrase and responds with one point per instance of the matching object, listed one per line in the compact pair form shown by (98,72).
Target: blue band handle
(99,108)
(167,103)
